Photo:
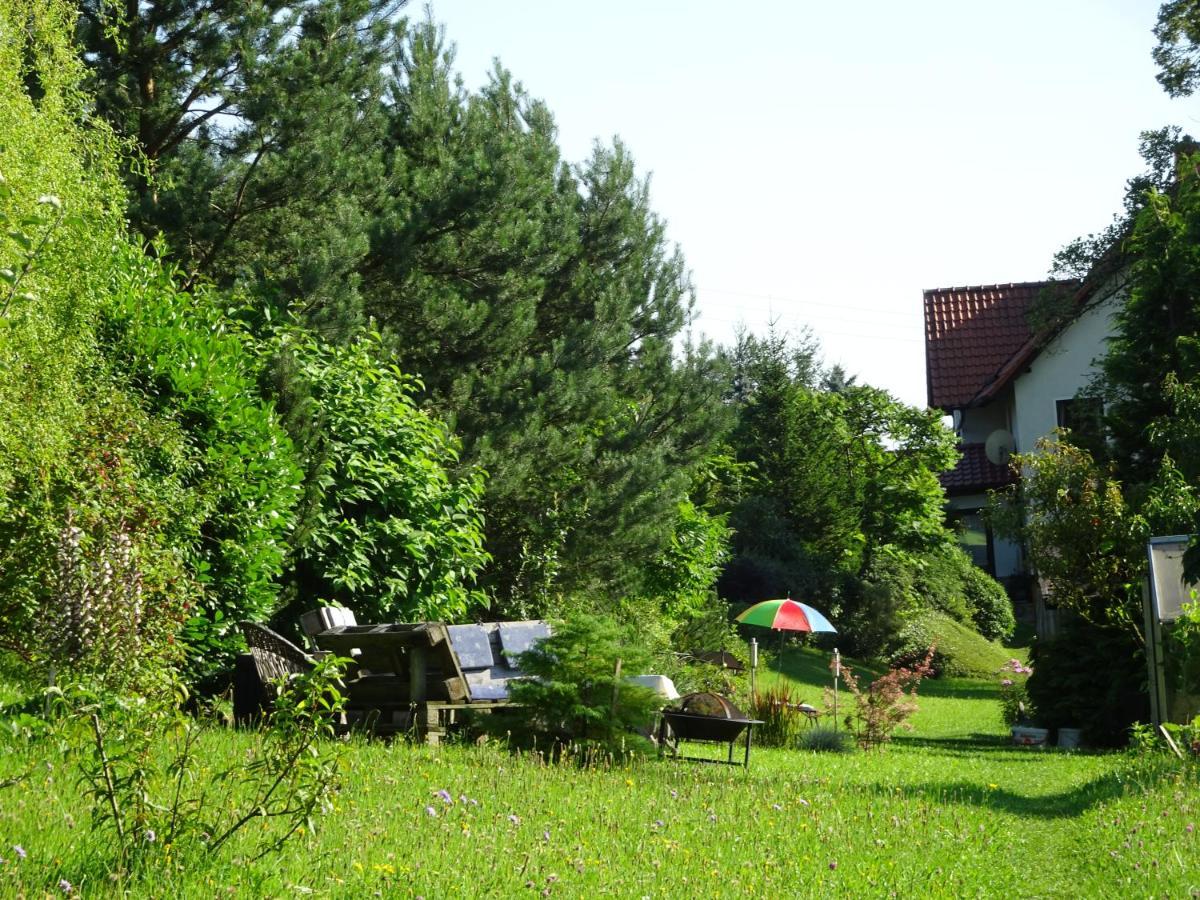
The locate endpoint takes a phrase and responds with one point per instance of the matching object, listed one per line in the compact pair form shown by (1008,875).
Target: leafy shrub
(991,607)
(885,705)
(950,582)
(881,604)
(151,795)
(1092,678)
(824,740)
(393,531)
(189,363)
(78,457)
(575,696)
(98,588)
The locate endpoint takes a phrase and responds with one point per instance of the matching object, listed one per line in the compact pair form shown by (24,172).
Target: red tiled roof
(975,472)
(971,332)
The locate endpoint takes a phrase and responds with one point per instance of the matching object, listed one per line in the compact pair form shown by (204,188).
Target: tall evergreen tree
(257,125)
(541,302)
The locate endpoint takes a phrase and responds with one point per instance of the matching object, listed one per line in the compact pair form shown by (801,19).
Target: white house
(1006,388)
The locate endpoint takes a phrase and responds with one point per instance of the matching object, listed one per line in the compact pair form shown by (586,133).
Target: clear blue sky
(822,163)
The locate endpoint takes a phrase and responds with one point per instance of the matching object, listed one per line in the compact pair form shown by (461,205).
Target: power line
(782,299)
(701,319)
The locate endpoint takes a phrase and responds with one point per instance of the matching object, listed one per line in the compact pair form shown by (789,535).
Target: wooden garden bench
(272,658)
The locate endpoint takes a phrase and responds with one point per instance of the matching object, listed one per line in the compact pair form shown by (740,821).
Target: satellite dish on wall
(999,447)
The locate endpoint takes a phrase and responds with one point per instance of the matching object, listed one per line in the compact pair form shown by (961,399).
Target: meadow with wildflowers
(949,809)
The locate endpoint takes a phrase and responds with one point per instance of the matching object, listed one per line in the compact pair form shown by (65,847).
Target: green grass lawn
(948,810)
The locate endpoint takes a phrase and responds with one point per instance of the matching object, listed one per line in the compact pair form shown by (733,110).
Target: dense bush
(949,581)
(991,607)
(825,740)
(193,366)
(879,605)
(1089,677)
(92,493)
(391,530)
(575,694)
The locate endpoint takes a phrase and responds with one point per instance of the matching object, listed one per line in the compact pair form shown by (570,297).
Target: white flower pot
(1027,736)
(1068,738)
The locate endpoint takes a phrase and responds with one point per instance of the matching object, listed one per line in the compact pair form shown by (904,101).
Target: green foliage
(845,500)
(192,365)
(574,694)
(393,533)
(259,130)
(147,805)
(1085,538)
(682,577)
(991,607)
(878,605)
(94,581)
(541,303)
(91,488)
(1177,53)
(59,212)
(949,581)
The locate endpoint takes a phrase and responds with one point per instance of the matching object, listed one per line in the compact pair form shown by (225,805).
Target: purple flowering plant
(1015,706)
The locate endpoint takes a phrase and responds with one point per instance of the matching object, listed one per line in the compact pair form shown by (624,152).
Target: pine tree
(541,303)
(257,125)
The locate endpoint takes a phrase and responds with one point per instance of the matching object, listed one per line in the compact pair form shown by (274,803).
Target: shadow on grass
(977,746)
(1064,805)
(809,666)
(958,688)
(972,744)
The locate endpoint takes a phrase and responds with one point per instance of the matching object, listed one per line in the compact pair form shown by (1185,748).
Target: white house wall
(1065,366)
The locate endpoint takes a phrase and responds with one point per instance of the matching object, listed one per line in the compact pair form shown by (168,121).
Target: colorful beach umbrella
(785,615)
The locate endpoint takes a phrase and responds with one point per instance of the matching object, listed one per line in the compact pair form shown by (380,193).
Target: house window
(1084,418)
(974,537)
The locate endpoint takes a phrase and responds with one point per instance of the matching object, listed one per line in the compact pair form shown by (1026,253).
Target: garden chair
(272,658)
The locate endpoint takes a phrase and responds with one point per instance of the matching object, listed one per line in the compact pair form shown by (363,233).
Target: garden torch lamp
(837,670)
(753,667)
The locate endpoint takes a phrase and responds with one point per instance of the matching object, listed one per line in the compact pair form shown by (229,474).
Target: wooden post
(616,686)
(416,673)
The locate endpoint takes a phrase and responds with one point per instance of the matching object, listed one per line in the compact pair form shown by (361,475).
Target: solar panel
(470,643)
(482,686)
(517,637)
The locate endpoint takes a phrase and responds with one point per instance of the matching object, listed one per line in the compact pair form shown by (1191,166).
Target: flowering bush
(886,704)
(1015,706)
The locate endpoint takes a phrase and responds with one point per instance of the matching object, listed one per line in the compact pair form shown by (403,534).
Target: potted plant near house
(1015,706)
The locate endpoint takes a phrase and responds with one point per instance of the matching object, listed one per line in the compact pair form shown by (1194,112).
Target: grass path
(948,811)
